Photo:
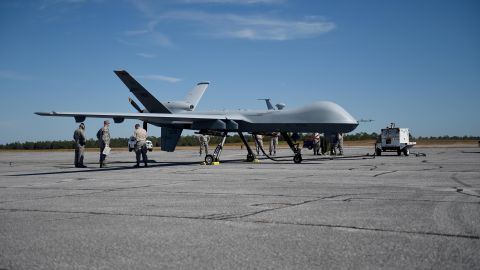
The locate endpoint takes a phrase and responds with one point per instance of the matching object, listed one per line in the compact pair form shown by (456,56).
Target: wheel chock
(216,163)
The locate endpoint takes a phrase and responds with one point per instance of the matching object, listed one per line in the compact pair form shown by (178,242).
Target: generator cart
(394,139)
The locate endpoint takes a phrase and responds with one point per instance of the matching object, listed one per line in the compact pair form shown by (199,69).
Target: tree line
(192,140)
(189,140)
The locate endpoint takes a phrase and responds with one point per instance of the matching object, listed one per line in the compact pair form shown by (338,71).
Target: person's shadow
(113,166)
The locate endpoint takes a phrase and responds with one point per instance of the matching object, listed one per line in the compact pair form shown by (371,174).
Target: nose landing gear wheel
(250,157)
(209,159)
(297,158)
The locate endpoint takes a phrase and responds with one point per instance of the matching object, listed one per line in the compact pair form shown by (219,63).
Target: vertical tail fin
(267,101)
(194,96)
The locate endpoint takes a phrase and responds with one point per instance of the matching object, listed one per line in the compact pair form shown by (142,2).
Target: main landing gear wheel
(406,152)
(209,159)
(297,158)
(250,157)
(378,152)
(399,152)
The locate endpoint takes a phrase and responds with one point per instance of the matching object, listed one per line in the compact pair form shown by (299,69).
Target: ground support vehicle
(394,139)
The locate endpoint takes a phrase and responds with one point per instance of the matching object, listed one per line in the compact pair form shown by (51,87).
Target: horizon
(305,134)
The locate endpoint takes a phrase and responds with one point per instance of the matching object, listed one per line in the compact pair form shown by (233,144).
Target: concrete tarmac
(359,212)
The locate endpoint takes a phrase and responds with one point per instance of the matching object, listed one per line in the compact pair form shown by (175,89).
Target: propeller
(135,105)
(365,120)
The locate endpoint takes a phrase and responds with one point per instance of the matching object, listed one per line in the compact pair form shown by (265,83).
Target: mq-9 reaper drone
(174,117)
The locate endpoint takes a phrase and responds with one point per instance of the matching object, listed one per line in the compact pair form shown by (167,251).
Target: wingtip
(45,113)
(205,82)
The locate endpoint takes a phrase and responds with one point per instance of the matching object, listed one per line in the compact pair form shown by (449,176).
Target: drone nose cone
(332,113)
(336,113)
(348,121)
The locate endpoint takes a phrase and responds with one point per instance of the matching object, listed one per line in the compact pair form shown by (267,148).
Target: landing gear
(215,157)
(209,159)
(297,158)
(250,156)
(295,148)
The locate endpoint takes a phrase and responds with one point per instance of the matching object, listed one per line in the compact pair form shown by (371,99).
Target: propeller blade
(145,124)
(135,105)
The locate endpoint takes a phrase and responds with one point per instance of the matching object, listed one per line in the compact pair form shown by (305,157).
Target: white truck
(394,139)
(132,141)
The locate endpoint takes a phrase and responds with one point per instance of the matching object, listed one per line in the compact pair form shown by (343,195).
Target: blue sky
(416,63)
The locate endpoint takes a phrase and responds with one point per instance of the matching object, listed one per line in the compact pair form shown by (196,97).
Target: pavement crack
(411,200)
(454,178)
(385,173)
(473,195)
(334,226)
(237,194)
(226,217)
(75,194)
(287,205)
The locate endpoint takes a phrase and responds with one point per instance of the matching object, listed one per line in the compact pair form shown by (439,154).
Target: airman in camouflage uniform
(204,140)
(103,136)
(80,141)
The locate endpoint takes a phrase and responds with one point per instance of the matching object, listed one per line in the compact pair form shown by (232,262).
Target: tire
(378,151)
(406,152)
(399,152)
(310,148)
(150,150)
(209,159)
(250,157)
(130,149)
(297,158)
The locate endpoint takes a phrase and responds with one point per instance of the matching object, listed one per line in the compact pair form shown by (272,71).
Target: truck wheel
(208,159)
(378,151)
(406,152)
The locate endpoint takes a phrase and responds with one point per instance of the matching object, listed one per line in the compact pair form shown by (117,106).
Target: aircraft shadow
(151,164)
(470,152)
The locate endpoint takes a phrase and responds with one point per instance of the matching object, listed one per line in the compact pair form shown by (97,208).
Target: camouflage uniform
(80,140)
(273,144)
(103,136)
(333,144)
(340,143)
(204,140)
(316,143)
